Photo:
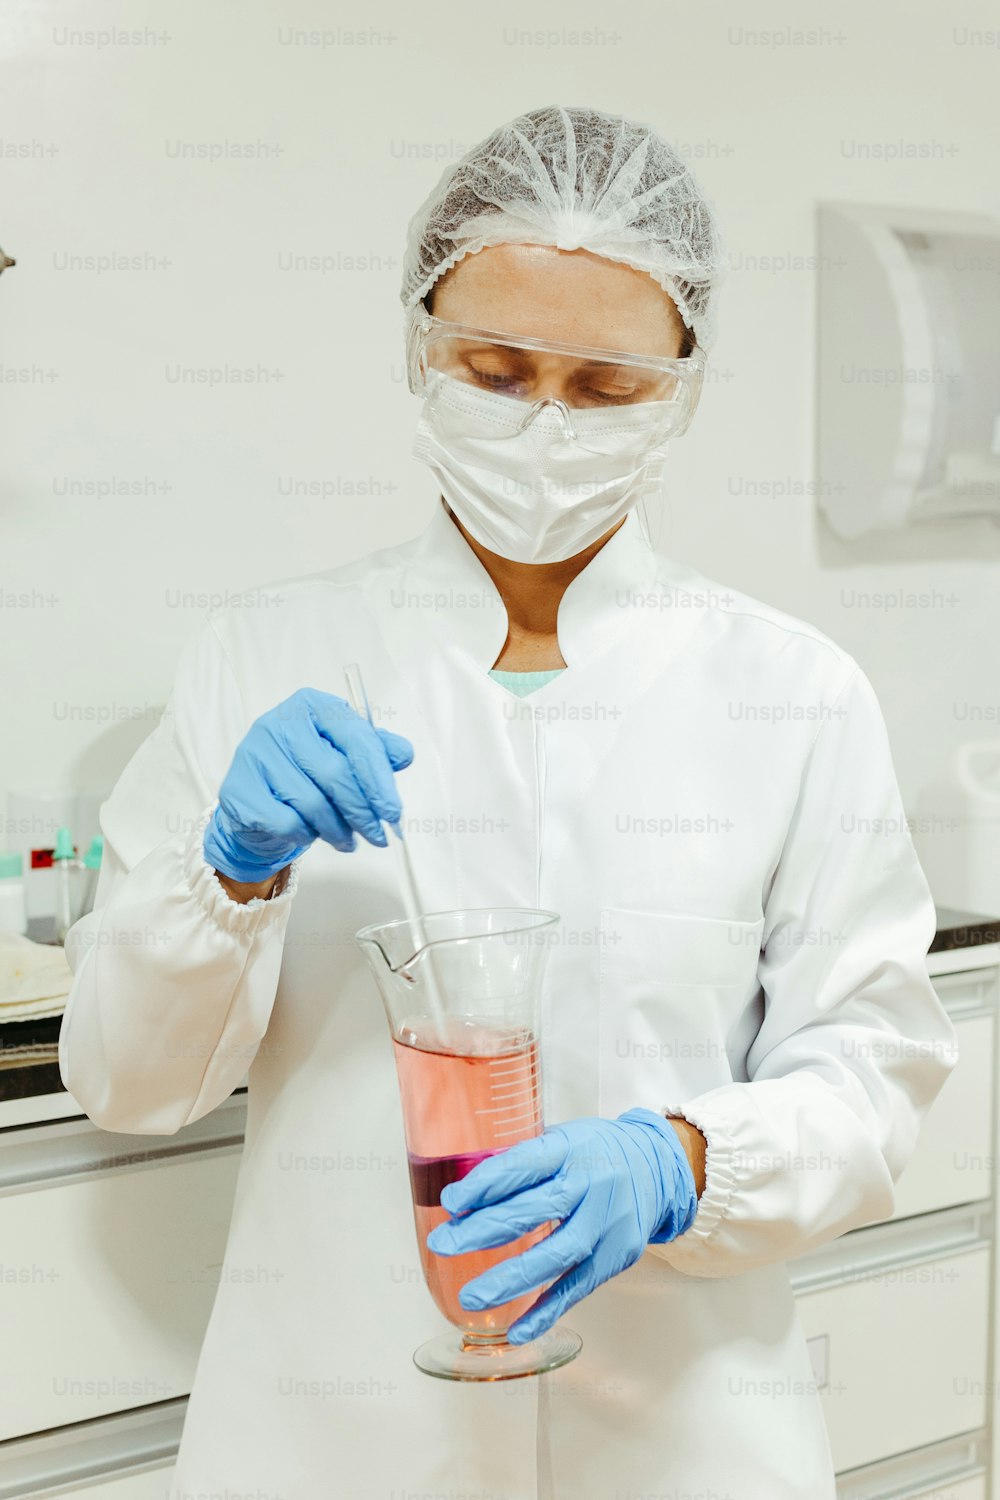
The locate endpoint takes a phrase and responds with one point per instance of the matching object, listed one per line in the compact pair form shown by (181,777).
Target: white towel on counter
(34,978)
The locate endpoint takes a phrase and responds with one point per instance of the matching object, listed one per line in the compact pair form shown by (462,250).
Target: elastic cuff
(720,1176)
(214,899)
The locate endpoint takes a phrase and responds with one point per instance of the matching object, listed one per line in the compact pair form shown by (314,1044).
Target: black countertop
(963,929)
(35,1076)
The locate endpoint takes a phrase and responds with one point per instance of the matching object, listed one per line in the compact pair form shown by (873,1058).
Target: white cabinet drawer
(953,1159)
(967,990)
(152,1485)
(110,1248)
(968,1489)
(900,1346)
(129,1456)
(956,1469)
(959,1489)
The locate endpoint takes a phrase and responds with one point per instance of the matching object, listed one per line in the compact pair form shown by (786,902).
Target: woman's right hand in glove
(309,769)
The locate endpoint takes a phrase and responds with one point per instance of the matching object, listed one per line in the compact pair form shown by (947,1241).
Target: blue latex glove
(617,1185)
(309,769)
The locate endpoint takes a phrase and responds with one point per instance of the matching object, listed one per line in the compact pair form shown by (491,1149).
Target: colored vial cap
(65,848)
(95,853)
(11,865)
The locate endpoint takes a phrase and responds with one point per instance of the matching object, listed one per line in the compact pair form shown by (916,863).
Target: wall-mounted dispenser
(908,383)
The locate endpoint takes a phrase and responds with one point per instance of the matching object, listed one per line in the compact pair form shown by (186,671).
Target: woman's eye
(615,398)
(617,387)
(489,377)
(632,394)
(495,380)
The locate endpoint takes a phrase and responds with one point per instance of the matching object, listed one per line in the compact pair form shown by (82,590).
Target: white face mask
(537,495)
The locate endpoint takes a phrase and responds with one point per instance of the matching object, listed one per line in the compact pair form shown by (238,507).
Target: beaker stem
(484,1341)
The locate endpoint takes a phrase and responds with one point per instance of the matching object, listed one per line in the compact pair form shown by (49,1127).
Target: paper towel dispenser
(908,420)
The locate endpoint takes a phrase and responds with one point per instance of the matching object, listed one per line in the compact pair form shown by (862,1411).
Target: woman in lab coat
(700,785)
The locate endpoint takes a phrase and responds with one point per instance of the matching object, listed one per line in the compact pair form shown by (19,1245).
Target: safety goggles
(529,376)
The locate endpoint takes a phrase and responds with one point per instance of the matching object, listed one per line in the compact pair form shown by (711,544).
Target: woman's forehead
(571,296)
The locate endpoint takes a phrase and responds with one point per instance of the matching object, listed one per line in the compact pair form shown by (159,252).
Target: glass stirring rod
(359,702)
(407,884)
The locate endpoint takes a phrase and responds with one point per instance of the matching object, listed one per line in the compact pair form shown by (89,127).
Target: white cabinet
(110,1250)
(953,1162)
(896,1322)
(901,1317)
(894,1347)
(115,1283)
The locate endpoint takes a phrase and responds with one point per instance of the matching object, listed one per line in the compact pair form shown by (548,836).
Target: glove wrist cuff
(225,854)
(678,1191)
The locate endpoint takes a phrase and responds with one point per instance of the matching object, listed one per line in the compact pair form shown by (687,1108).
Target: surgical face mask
(537,483)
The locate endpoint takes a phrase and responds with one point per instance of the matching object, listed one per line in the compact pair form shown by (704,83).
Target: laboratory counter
(39,1074)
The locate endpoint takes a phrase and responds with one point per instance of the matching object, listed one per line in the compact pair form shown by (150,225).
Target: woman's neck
(531,594)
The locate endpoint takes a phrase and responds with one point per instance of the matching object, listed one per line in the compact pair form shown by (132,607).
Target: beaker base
(448,1357)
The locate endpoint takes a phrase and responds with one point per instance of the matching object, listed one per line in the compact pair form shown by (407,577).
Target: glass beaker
(461,990)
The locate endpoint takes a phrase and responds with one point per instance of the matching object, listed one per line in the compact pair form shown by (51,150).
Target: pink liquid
(466,1095)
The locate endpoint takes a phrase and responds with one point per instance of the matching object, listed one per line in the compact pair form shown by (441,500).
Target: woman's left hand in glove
(615,1185)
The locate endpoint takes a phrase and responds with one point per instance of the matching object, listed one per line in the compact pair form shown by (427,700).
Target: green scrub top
(523,683)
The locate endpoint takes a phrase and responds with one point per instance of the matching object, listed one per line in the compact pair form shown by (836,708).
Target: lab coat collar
(603,601)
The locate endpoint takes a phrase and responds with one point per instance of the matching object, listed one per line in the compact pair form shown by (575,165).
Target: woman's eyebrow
(499,344)
(612,357)
(601,364)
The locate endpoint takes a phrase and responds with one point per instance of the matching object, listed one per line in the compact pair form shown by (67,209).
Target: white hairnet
(576,179)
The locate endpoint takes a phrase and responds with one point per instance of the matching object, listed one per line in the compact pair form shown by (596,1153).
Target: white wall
(351,137)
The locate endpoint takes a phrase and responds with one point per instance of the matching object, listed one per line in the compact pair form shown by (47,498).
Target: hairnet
(576,179)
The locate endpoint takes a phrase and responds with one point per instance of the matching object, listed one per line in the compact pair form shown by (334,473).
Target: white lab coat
(706,796)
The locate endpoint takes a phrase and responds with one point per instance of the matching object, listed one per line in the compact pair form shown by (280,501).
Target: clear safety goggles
(531,379)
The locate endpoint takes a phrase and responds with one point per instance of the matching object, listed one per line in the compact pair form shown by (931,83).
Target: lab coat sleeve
(174,982)
(854,1044)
